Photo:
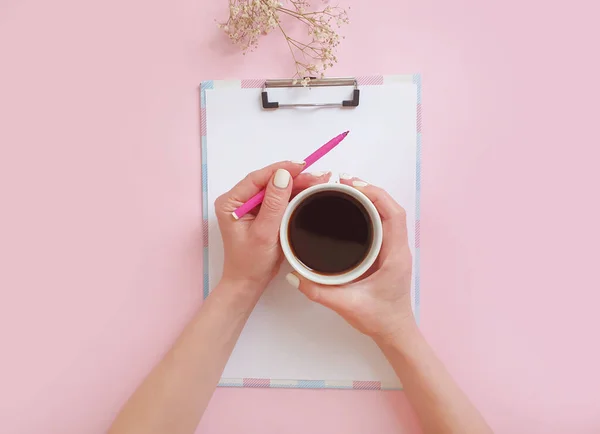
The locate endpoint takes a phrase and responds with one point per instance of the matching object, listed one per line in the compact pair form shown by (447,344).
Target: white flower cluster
(249,19)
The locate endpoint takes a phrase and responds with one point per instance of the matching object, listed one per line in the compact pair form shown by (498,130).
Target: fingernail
(293,280)
(318,174)
(345,176)
(281,179)
(359,183)
(302,162)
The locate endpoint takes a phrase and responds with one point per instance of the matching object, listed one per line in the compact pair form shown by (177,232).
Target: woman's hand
(251,244)
(174,395)
(380,304)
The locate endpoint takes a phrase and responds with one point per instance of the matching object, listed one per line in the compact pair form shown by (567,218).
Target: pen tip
(345,134)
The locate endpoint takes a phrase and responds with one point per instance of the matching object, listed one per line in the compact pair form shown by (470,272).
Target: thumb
(333,297)
(277,197)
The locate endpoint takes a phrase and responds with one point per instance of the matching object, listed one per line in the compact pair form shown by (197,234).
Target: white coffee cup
(357,271)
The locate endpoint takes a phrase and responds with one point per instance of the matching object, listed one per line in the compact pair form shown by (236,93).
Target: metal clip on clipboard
(314,82)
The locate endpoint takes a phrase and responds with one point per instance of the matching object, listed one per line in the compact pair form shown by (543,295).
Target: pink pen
(310,160)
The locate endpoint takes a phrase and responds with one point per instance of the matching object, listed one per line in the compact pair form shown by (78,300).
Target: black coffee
(330,232)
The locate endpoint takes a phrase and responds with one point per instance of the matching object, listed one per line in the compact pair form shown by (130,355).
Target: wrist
(245,287)
(244,280)
(241,293)
(402,330)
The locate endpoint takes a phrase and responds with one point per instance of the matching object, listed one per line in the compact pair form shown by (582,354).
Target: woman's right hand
(378,305)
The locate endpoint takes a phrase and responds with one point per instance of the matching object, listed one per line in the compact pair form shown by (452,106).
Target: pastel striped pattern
(366,385)
(373,80)
(203,87)
(267,383)
(377,80)
(416,79)
(253,83)
(257,382)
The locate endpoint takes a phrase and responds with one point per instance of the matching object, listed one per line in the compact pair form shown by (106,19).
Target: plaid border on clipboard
(376,80)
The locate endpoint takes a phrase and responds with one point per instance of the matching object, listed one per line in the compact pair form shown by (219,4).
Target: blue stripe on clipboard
(205,272)
(203,86)
(417,81)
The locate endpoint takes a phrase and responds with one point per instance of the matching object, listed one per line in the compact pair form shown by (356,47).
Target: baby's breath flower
(249,19)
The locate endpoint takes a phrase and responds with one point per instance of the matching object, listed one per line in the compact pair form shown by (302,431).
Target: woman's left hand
(251,244)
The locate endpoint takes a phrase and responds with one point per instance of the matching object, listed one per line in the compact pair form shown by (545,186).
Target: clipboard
(290,342)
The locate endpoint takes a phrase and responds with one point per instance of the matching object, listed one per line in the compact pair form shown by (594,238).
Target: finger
(252,184)
(386,205)
(306,180)
(277,197)
(393,216)
(302,182)
(333,297)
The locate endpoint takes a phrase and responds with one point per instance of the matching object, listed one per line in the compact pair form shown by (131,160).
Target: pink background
(100,243)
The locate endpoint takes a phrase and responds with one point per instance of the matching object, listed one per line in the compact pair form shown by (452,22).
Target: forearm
(440,404)
(175,394)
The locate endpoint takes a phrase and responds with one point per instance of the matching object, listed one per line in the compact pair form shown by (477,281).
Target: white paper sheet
(287,336)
